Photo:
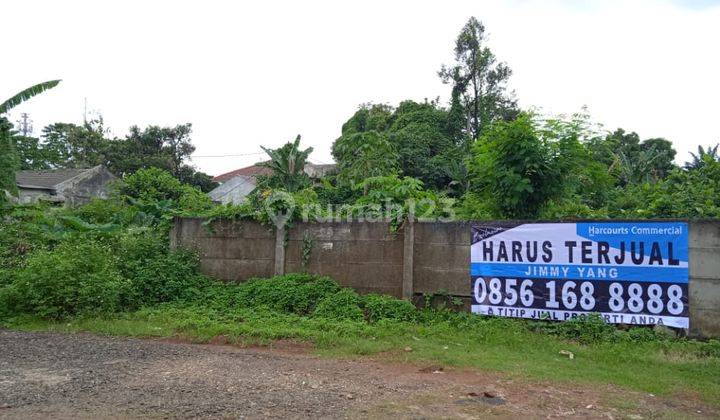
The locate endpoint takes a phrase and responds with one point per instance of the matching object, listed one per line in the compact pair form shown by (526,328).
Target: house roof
(253,170)
(313,170)
(239,186)
(46,179)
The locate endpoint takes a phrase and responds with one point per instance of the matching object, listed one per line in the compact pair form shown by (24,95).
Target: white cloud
(247,74)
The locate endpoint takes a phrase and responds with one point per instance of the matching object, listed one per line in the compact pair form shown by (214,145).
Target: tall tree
(160,147)
(363,150)
(288,166)
(415,139)
(30,153)
(479,82)
(424,142)
(74,146)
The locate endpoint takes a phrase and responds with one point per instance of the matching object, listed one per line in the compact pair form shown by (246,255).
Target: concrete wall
(34,195)
(442,258)
(364,256)
(95,183)
(704,299)
(233,251)
(422,259)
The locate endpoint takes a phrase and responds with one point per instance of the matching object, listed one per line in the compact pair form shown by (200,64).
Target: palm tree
(8,157)
(27,94)
(288,165)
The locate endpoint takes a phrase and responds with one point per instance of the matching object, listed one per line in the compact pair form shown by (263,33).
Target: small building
(237,184)
(64,186)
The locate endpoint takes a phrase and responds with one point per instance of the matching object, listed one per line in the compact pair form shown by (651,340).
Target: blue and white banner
(628,272)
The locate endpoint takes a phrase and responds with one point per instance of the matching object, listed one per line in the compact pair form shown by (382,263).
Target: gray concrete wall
(704,299)
(442,258)
(233,251)
(81,190)
(371,259)
(30,196)
(364,256)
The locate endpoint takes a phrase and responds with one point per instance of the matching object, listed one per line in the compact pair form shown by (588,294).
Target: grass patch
(662,367)
(339,322)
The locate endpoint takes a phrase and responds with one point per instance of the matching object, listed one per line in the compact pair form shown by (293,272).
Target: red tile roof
(253,170)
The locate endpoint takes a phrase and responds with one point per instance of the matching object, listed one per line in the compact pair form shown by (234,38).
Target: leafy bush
(710,349)
(293,293)
(379,307)
(155,185)
(22,231)
(100,211)
(515,169)
(571,208)
(586,330)
(54,260)
(305,295)
(590,329)
(344,304)
(152,184)
(157,274)
(75,278)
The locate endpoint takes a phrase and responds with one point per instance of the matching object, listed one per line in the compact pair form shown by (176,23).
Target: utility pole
(25,125)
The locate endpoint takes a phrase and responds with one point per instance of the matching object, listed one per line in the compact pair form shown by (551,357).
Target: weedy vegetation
(116,275)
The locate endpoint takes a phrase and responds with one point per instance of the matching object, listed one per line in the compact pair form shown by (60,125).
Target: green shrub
(293,293)
(9,300)
(344,304)
(75,278)
(709,349)
(585,330)
(643,335)
(23,229)
(100,211)
(379,307)
(153,185)
(155,273)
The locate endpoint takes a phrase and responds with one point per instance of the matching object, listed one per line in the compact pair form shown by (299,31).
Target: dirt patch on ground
(70,376)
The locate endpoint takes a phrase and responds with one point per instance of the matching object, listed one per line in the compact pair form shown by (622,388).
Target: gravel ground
(81,376)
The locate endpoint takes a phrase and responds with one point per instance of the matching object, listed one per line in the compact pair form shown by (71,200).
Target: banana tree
(288,165)
(8,157)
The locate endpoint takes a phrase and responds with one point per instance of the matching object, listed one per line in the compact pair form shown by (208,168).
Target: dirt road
(71,376)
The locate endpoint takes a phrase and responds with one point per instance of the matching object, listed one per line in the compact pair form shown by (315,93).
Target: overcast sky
(259,73)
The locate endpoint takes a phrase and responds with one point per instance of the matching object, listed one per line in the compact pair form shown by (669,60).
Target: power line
(217,156)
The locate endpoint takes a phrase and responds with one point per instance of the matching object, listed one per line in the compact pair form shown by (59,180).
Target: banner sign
(628,272)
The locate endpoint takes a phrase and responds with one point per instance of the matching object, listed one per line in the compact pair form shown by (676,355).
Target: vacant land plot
(80,375)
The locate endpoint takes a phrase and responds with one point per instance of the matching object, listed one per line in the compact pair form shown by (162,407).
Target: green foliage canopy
(516,170)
